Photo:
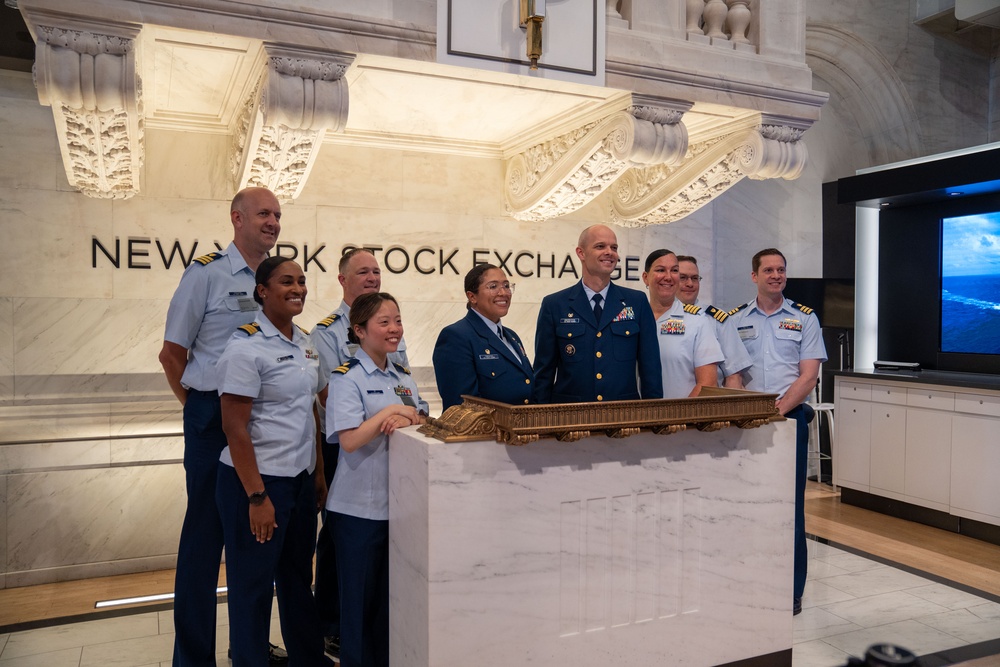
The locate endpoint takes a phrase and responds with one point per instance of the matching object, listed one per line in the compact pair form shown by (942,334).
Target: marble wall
(90,475)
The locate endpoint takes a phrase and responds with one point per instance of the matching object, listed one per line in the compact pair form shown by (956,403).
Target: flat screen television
(970,284)
(939,284)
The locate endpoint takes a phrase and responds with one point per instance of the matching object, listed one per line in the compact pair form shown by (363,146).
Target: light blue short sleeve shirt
(330,338)
(687,340)
(777,343)
(361,484)
(280,375)
(214,297)
(736,356)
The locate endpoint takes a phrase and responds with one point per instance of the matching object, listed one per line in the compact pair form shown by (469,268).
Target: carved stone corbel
(298,98)
(665,193)
(776,151)
(87,74)
(560,176)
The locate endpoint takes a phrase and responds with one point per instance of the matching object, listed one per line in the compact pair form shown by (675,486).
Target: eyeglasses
(684,278)
(496,287)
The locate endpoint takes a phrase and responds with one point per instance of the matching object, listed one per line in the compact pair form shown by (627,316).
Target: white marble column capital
(86,72)
(299,96)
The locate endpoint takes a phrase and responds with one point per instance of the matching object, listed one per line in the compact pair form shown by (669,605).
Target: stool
(815,453)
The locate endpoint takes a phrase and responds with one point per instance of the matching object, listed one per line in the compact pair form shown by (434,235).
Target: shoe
(796,606)
(277,655)
(332,647)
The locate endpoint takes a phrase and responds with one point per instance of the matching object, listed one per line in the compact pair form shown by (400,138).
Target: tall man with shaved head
(595,338)
(214,297)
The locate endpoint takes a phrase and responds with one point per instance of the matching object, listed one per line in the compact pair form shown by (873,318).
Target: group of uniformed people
(254,385)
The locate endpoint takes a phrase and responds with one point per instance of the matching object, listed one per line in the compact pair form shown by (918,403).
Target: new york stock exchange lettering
(145,253)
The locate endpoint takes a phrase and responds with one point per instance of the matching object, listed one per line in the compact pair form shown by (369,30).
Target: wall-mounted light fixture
(532,15)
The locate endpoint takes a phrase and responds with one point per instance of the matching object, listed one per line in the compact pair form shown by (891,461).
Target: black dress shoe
(276,655)
(332,647)
(796,606)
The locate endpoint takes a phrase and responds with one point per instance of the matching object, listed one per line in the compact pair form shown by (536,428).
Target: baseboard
(936,518)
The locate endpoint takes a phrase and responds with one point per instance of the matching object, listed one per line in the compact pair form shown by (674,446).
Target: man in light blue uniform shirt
(736,357)
(786,346)
(214,297)
(359,273)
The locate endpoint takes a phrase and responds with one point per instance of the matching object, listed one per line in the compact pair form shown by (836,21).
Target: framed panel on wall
(487,34)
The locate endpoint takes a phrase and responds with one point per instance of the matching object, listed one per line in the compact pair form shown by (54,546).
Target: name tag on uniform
(288,358)
(247,304)
(374,391)
(672,328)
(748,332)
(485,357)
(569,320)
(790,324)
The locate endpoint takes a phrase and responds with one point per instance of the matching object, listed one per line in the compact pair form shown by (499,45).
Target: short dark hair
(655,255)
(264,271)
(687,258)
(474,278)
(755,262)
(364,308)
(346,257)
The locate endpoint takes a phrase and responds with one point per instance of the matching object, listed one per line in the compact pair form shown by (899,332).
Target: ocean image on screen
(970,284)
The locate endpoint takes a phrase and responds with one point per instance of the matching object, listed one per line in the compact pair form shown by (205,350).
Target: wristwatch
(257,497)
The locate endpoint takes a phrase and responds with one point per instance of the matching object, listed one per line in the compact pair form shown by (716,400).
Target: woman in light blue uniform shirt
(265,491)
(689,350)
(369,398)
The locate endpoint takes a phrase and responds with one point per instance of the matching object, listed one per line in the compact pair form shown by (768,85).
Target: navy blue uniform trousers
(327,587)
(363,559)
(283,564)
(200,550)
(802,414)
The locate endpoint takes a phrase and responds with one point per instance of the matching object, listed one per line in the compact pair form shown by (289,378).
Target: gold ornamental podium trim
(715,408)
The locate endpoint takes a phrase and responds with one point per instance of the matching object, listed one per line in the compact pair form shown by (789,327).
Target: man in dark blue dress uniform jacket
(592,348)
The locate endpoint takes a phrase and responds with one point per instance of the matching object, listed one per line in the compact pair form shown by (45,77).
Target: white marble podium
(648,550)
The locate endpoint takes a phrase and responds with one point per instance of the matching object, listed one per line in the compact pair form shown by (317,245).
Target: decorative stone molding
(665,193)
(88,76)
(560,176)
(298,98)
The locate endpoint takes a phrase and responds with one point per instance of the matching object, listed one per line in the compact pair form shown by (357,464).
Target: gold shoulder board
(327,321)
(805,309)
(718,314)
(207,259)
(691,308)
(346,366)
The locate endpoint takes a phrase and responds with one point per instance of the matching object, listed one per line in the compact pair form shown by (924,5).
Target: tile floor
(850,603)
